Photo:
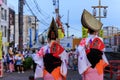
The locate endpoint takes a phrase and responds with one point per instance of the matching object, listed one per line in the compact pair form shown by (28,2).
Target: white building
(4,23)
(109,37)
(110,30)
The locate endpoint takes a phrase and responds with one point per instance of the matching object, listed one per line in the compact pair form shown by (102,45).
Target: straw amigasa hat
(90,22)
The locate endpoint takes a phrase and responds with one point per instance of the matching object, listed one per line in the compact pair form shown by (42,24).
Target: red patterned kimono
(91,60)
(54,56)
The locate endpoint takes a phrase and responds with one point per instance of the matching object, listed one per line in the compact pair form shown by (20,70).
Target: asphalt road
(72,75)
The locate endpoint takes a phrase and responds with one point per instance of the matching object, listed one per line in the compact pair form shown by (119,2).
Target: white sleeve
(83,62)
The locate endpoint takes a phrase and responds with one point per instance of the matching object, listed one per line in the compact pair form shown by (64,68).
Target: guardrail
(114,68)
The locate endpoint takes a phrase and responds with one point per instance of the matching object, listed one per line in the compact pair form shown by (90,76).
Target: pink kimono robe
(53,65)
(84,65)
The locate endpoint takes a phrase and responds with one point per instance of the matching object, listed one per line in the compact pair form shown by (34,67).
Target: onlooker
(19,62)
(75,61)
(11,63)
(70,60)
(7,65)
(33,56)
(4,60)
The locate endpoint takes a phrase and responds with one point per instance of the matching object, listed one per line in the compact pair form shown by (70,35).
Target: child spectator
(19,62)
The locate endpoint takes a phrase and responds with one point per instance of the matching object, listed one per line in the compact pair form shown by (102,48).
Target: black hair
(52,35)
(33,50)
(91,31)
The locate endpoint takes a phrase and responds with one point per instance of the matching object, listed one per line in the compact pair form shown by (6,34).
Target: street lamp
(105,12)
(94,11)
(100,7)
(99,16)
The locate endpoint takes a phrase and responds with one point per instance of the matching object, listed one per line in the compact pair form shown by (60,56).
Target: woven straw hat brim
(89,21)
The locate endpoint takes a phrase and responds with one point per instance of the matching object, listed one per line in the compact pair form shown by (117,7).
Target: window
(29,20)
(5,31)
(2,13)
(2,29)
(5,15)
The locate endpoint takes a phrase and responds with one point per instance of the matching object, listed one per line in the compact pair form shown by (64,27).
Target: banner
(0,45)
(1,67)
(101,33)
(60,28)
(84,32)
(60,34)
(30,36)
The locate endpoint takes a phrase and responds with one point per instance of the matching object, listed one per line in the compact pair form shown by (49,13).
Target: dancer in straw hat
(91,59)
(52,58)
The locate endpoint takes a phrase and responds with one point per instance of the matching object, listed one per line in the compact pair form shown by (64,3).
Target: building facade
(11,28)
(111,37)
(4,24)
(30,30)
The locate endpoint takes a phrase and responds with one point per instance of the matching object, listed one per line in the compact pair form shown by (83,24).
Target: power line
(74,29)
(78,31)
(40,10)
(37,8)
(44,31)
(34,14)
(29,8)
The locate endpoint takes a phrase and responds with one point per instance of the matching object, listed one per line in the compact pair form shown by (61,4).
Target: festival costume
(52,59)
(91,59)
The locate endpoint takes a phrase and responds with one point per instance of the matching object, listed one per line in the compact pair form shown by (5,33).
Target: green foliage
(27,63)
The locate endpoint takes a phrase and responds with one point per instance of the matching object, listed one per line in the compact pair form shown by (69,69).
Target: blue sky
(75,8)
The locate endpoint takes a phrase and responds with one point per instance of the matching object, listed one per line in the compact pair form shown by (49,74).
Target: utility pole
(35,30)
(67,24)
(20,24)
(99,14)
(36,21)
(56,4)
(58,17)
(35,27)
